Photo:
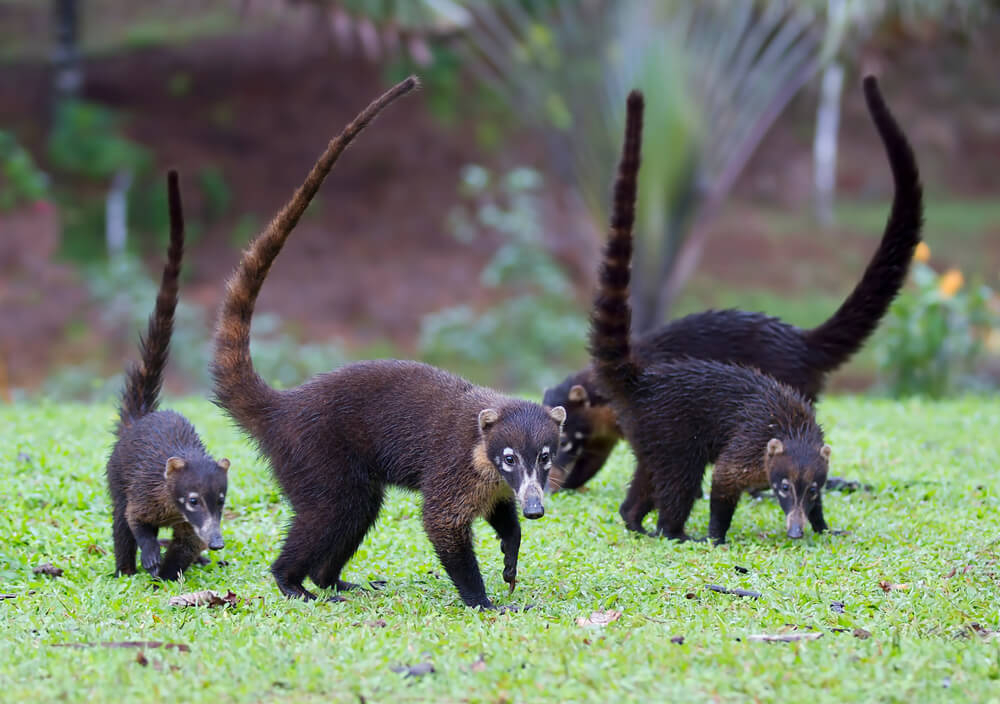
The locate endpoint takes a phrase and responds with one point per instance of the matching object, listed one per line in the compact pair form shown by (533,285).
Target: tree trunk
(66,54)
(825,142)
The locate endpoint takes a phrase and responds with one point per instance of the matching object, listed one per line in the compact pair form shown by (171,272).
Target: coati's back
(137,462)
(397,420)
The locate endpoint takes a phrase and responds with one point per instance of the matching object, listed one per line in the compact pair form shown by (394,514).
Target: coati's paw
(513,608)
(378,584)
(334,599)
(342,586)
(151,560)
(510,576)
(202,560)
(295,591)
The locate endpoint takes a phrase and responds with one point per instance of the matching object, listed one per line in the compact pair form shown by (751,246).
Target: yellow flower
(950,282)
(922,253)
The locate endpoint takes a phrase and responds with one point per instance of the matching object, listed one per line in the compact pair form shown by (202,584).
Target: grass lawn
(928,529)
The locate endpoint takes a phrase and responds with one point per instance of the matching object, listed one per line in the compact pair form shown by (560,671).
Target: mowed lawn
(906,600)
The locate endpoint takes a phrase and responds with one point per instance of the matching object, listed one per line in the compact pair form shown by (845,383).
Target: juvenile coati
(337,441)
(800,358)
(159,473)
(680,415)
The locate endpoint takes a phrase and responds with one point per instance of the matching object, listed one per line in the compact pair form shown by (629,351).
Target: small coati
(159,473)
(680,415)
(800,358)
(337,441)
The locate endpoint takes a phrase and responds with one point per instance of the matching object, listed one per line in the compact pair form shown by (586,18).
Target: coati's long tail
(143,380)
(238,388)
(611,319)
(832,343)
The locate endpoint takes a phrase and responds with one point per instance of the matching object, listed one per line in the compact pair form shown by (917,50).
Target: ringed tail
(141,393)
(610,321)
(238,388)
(832,343)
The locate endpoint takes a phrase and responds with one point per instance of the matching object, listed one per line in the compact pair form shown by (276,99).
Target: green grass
(931,522)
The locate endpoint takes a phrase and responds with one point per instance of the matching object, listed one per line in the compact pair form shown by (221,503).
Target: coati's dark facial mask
(797,475)
(522,446)
(199,488)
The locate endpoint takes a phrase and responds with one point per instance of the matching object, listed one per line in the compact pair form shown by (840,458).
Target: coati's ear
(578,394)
(223,464)
(825,451)
(774,447)
(174,465)
(558,414)
(487,417)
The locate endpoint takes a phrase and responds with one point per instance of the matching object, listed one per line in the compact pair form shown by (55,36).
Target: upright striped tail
(832,343)
(238,388)
(610,321)
(141,393)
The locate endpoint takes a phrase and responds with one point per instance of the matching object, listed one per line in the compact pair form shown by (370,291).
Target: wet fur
(681,415)
(800,358)
(336,442)
(143,499)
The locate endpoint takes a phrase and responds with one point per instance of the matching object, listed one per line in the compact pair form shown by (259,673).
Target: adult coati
(800,358)
(680,415)
(337,441)
(159,473)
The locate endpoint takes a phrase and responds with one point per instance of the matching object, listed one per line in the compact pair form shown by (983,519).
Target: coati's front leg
(145,537)
(815,516)
(451,537)
(595,455)
(504,520)
(184,549)
(721,509)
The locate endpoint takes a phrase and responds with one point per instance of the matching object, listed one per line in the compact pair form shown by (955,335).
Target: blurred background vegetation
(464,228)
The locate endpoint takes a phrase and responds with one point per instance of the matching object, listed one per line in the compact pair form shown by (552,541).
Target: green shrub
(86,141)
(934,333)
(20,180)
(534,327)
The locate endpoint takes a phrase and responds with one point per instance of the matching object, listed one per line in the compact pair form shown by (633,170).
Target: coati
(800,358)
(337,441)
(159,473)
(680,415)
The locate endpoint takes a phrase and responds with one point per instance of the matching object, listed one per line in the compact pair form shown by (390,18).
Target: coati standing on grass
(159,473)
(800,358)
(679,416)
(337,441)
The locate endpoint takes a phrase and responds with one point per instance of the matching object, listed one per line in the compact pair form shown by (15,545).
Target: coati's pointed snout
(795,522)
(533,507)
(216,543)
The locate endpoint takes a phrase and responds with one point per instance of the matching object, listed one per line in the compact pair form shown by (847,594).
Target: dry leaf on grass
(785,637)
(888,586)
(48,569)
(150,644)
(599,618)
(206,597)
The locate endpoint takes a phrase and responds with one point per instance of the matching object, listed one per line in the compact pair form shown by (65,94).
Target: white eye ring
(508,461)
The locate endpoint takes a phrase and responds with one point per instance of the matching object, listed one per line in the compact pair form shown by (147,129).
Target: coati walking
(800,358)
(337,441)
(680,415)
(159,473)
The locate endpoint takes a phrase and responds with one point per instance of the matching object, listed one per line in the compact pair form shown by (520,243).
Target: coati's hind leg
(638,500)
(677,485)
(125,545)
(451,537)
(353,518)
(184,549)
(504,521)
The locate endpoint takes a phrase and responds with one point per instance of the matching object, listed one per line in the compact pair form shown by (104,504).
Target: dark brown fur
(800,358)
(158,464)
(337,441)
(681,415)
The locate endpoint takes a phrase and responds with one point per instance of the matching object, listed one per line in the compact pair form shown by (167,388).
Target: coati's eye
(544,457)
(785,486)
(813,491)
(509,459)
(193,501)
